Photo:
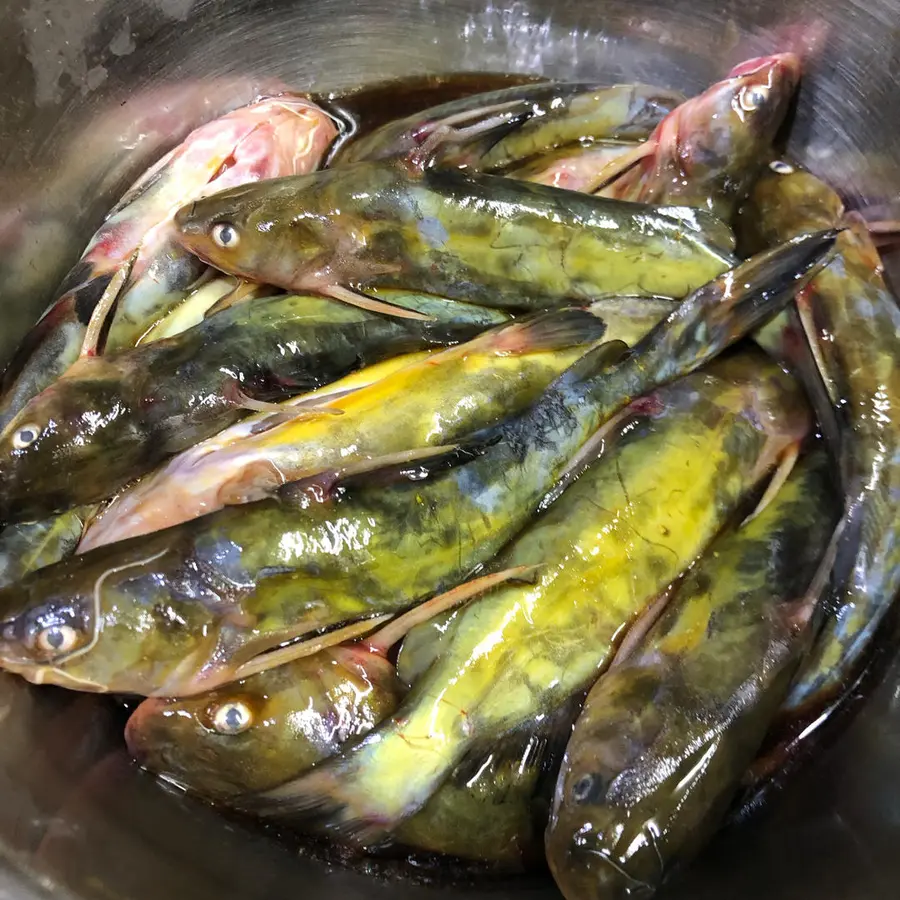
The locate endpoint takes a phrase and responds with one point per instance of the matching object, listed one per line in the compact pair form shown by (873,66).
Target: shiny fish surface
(494,130)
(150,501)
(258,732)
(666,735)
(434,402)
(853,323)
(709,149)
(33,545)
(478,238)
(112,418)
(175,612)
(606,549)
(494,807)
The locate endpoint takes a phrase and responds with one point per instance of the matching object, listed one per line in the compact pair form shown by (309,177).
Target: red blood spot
(650,405)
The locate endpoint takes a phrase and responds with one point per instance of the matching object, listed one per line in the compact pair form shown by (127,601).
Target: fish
(256,733)
(432,402)
(708,151)
(667,734)
(260,731)
(180,611)
(495,130)
(605,550)
(126,511)
(112,418)
(852,322)
(283,135)
(477,238)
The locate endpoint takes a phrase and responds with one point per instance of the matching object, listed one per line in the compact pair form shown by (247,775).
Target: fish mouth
(591,872)
(786,64)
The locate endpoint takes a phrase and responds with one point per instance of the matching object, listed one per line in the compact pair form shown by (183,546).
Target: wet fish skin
(112,418)
(853,324)
(422,646)
(511,125)
(259,732)
(122,516)
(433,402)
(256,733)
(173,613)
(711,147)
(494,806)
(33,545)
(666,735)
(622,533)
(479,238)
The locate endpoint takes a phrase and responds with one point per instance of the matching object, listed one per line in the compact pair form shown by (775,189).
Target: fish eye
(780,167)
(231,718)
(56,639)
(26,436)
(589,789)
(752,98)
(225,235)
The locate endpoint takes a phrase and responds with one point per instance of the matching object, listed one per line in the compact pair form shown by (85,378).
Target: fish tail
(556,330)
(856,607)
(366,792)
(731,306)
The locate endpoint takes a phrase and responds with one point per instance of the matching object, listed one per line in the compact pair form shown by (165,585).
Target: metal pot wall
(89,92)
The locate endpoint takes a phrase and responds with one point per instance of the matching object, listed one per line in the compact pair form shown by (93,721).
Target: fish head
(280,136)
(268,232)
(724,133)
(275,137)
(599,844)
(106,622)
(254,734)
(218,745)
(68,445)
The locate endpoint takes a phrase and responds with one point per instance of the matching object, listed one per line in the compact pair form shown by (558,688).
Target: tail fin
(557,330)
(732,305)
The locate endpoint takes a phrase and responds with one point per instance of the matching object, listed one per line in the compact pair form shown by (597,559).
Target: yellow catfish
(433,401)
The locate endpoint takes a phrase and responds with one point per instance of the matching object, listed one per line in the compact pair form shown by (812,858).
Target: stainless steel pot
(89,92)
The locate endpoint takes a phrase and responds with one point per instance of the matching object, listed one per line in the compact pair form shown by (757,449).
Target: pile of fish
(466,485)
